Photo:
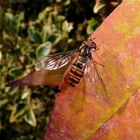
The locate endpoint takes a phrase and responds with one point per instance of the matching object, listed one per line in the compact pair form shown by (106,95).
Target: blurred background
(28,30)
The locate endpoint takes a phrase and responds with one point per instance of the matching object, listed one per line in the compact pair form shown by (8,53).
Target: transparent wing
(100,85)
(93,74)
(56,61)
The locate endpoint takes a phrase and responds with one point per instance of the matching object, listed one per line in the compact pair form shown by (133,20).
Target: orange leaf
(125,125)
(78,112)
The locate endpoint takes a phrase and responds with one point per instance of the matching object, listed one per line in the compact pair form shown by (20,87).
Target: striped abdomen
(76,73)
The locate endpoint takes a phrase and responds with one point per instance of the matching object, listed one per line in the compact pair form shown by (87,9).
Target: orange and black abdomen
(76,73)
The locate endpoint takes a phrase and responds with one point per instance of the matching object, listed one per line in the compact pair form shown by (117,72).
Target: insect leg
(95,62)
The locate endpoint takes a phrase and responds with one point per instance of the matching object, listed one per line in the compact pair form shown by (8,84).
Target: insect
(78,68)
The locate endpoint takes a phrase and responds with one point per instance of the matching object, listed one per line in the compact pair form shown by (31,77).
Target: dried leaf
(40,78)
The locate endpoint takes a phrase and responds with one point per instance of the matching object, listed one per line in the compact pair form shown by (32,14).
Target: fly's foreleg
(95,62)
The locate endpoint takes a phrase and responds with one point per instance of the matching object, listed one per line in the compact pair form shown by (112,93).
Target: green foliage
(25,36)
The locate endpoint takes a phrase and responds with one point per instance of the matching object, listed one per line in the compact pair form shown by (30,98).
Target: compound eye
(94,45)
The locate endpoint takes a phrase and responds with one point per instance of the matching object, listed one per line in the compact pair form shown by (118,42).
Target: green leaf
(92,25)
(12,91)
(30,117)
(98,6)
(66,26)
(15,71)
(18,112)
(1,23)
(32,56)
(12,22)
(0,56)
(54,38)
(14,25)
(43,49)
(1,16)
(34,35)
(9,56)
(3,101)
(26,94)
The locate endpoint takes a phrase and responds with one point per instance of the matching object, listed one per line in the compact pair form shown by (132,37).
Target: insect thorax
(82,59)
(85,52)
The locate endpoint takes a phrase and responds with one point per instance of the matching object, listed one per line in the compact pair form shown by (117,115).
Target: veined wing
(100,86)
(56,61)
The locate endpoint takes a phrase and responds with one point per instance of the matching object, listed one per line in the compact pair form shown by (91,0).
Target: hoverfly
(78,68)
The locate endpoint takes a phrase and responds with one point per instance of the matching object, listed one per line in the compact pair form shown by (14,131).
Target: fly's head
(87,48)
